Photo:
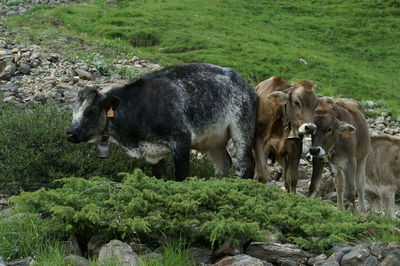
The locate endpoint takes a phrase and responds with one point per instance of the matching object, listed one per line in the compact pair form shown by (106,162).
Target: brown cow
(285,113)
(342,139)
(382,174)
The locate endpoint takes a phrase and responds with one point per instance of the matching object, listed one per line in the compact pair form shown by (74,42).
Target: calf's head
(300,102)
(330,130)
(89,115)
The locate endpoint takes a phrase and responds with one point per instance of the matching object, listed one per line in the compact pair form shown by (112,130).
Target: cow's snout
(308,128)
(72,136)
(317,151)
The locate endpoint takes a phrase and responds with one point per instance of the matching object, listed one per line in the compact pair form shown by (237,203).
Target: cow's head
(89,115)
(300,102)
(330,129)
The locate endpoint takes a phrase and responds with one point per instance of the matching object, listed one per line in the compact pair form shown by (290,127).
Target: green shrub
(209,211)
(34,150)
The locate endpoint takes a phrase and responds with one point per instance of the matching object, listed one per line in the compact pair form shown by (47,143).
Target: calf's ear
(110,101)
(325,104)
(278,97)
(346,129)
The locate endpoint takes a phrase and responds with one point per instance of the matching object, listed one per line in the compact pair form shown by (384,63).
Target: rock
(117,250)
(312,261)
(140,249)
(228,248)
(382,249)
(240,260)
(7,69)
(83,74)
(24,262)
(72,247)
(275,253)
(392,259)
(24,68)
(2,263)
(359,255)
(201,255)
(75,260)
(340,251)
(95,243)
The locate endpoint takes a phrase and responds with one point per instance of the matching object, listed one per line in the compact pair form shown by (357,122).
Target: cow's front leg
(294,149)
(181,156)
(262,174)
(317,168)
(349,175)
(339,183)
(159,169)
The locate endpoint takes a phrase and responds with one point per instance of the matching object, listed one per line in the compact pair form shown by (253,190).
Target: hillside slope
(351,48)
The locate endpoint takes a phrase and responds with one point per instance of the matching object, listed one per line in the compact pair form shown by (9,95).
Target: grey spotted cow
(179,108)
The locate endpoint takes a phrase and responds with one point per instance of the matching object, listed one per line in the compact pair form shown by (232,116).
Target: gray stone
(312,261)
(392,259)
(23,262)
(24,68)
(2,263)
(229,248)
(357,256)
(117,250)
(75,260)
(83,74)
(274,252)
(95,243)
(382,249)
(201,255)
(72,247)
(7,69)
(240,260)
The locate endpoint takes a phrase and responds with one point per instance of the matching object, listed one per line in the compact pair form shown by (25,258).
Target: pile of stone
(255,254)
(31,75)
(19,7)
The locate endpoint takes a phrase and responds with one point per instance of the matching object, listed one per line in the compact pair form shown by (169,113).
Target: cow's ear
(110,101)
(346,130)
(325,104)
(278,97)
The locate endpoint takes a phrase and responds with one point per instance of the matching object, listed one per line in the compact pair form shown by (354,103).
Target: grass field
(351,46)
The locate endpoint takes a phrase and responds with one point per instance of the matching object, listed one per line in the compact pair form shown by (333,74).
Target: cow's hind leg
(360,184)
(388,202)
(221,160)
(243,140)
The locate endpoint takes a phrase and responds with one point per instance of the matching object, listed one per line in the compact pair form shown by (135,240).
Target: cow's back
(383,165)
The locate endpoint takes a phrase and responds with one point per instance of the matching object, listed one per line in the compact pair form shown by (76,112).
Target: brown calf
(285,113)
(342,139)
(382,174)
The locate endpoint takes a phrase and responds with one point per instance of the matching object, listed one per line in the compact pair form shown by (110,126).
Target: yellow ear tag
(110,112)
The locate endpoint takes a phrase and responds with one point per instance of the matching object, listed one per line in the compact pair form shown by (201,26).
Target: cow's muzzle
(71,136)
(307,129)
(317,151)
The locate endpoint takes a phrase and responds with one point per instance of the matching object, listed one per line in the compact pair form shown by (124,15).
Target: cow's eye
(297,103)
(329,129)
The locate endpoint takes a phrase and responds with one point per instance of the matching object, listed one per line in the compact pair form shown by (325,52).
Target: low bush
(34,152)
(209,211)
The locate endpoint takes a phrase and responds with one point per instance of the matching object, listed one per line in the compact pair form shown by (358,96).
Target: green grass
(351,46)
